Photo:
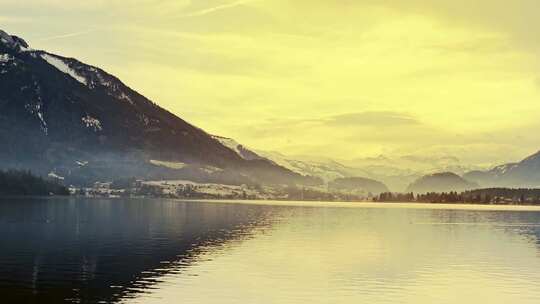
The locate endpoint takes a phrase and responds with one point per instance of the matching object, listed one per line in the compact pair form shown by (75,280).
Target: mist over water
(166,251)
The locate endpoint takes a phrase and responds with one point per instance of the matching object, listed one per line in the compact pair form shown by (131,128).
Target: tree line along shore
(24,183)
(502,196)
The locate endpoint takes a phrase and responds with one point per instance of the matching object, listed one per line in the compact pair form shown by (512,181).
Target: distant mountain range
(525,173)
(405,173)
(397,173)
(61,116)
(522,174)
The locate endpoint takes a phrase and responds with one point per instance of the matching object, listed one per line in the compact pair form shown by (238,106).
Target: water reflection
(159,251)
(104,250)
(524,223)
(371,255)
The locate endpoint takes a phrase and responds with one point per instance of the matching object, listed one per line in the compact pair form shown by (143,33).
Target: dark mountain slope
(59,114)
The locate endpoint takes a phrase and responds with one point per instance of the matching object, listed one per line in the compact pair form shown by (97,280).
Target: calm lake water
(75,250)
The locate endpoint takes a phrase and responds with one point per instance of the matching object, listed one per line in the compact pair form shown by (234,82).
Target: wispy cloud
(67,35)
(384,118)
(362,122)
(217,8)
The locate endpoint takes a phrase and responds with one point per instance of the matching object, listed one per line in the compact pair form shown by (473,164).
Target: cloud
(67,35)
(379,118)
(517,18)
(362,124)
(297,76)
(217,8)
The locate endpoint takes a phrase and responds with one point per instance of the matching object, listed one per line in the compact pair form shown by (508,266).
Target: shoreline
(324,204)
(370,204)
(312,203)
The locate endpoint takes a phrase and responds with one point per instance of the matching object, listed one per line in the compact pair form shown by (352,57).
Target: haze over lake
(165,251)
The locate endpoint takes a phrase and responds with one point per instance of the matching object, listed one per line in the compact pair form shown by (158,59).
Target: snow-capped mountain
(327,170)
(395,172)
(57,113)
(398,173)
(525,173)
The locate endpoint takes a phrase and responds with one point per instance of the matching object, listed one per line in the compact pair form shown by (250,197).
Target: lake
(77,250)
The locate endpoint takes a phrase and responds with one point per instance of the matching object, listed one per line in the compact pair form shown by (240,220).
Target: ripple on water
(161,251)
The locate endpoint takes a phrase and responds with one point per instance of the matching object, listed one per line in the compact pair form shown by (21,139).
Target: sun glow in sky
(342,79)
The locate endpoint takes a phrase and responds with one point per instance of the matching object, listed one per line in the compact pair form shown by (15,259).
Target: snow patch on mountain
(101,79)
(95,78)
(125,97)
(328,170)
(229,143)
(503,169)
(239,149)
(81,163)
(6,58)
(91,122)
(168,164)
(63,67)
(35,107)
(53,175)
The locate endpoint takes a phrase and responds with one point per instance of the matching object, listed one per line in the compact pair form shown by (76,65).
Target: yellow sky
(342,79)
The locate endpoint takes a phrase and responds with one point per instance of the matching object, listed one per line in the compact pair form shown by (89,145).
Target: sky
(341,79)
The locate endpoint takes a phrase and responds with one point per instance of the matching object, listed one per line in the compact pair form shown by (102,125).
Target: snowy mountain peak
(13,41)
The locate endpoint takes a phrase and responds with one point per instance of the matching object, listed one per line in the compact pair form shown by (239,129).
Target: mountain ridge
(440,182)
(524,173)
(57,112)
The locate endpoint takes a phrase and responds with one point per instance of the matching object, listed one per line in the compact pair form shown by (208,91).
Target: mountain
(77,121)
(239,149)
(358,184)
(396,172)
(326,169)
(402,165)
(525,173)
(441,182)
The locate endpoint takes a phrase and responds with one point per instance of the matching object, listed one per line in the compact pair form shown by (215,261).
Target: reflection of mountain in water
(526,224)
(89,251)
